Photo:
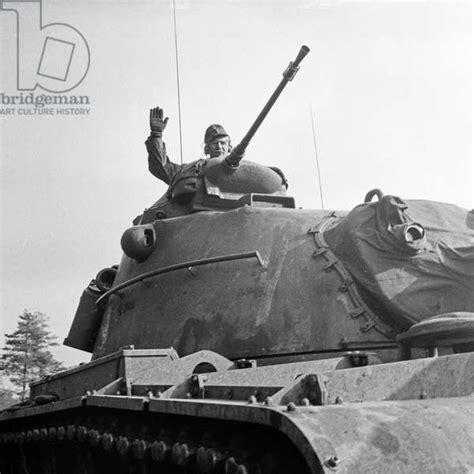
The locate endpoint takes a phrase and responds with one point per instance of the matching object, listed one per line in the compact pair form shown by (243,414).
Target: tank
(242,335)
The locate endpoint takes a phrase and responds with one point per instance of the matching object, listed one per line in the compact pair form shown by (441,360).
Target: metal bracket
(199,387)
(357,312)
(367,326)
(290,71)
(315,389)
(331,263)
(319,252)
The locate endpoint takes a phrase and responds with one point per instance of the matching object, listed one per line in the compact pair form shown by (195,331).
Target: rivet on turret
(333,462)
(305,402)
(291,407)
(252,400)
(269,401)
(338,400)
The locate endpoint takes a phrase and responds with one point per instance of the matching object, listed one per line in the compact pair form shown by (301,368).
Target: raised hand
(157,122)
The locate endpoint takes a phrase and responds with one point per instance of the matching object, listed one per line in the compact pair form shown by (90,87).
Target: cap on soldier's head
(213,131)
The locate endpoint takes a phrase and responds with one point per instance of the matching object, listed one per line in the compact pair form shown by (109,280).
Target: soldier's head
(216,142)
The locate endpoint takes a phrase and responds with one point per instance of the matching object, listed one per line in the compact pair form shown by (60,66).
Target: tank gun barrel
(238,152)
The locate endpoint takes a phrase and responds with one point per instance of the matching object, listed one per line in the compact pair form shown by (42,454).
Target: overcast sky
(390,85)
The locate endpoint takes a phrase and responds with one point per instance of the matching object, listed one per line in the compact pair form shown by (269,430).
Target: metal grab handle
(179,266)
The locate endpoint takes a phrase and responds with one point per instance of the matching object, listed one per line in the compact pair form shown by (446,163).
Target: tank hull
(307,417)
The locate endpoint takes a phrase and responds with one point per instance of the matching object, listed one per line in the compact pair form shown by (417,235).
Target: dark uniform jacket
(171,173)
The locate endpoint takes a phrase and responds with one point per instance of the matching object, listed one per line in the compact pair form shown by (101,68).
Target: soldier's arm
(158,162)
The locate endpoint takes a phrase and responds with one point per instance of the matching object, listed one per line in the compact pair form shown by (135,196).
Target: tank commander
(217,144)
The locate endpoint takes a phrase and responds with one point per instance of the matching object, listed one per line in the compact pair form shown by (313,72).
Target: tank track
(98,440)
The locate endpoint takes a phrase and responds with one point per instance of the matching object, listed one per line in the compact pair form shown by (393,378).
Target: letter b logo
(55,56)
